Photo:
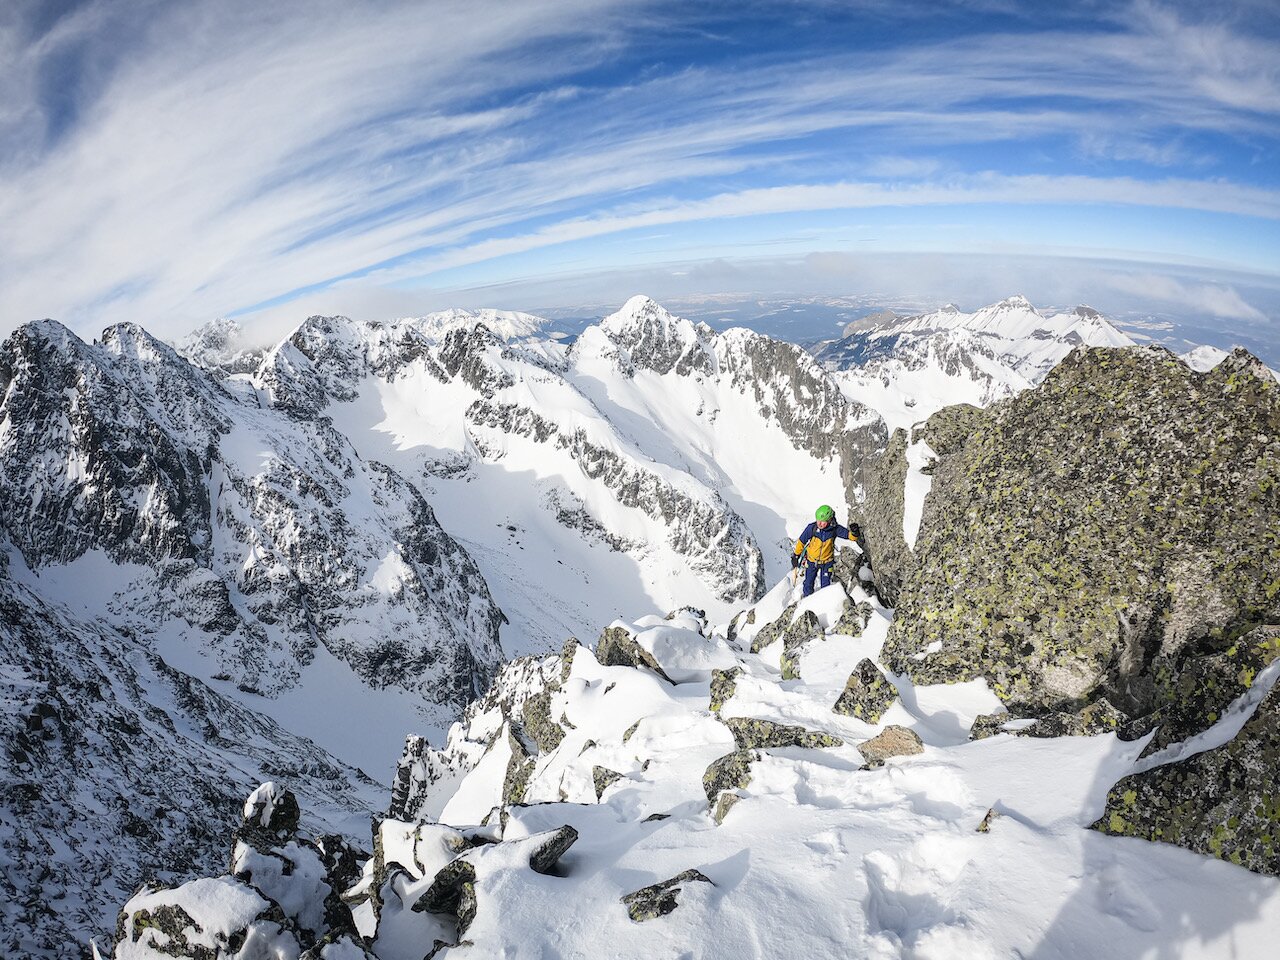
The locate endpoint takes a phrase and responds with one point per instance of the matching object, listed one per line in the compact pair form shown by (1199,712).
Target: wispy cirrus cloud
(171,162)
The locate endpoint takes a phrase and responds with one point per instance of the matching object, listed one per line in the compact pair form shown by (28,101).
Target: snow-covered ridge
(908,367)
(759,788)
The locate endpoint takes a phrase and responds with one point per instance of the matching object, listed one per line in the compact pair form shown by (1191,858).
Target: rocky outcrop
(773,629)
(1094,536)
(795,638)
(893,741)
(282,895)
(660,899)
(1222,802)
(617,648)
(723,685)
(867,694)
(602,778)
(751,733)
(95,722)
(880,517)
(730,772)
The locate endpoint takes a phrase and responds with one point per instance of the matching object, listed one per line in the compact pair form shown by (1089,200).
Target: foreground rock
(754,734)
(867,694)
(1223,802)
(1091,537)
(893,741)
(659,899)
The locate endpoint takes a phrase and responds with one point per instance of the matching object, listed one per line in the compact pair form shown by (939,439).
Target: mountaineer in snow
(818,546)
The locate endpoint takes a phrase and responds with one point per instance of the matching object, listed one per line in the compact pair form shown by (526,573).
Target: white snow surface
(917,486)
(819,858)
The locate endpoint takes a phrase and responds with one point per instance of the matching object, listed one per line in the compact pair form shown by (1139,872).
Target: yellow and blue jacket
(820,545)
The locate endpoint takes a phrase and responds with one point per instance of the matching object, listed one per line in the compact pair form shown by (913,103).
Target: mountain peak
(656,339)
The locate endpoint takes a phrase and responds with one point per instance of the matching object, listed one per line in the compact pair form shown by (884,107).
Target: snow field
(820,858)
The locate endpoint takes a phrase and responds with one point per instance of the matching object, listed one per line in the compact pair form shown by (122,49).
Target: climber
(818,546)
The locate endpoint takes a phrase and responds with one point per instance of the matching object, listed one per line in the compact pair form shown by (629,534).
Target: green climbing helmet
(825,513)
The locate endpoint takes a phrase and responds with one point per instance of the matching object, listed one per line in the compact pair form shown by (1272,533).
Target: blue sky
(170,163)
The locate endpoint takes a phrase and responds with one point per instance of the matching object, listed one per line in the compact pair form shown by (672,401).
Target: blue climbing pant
(811,572)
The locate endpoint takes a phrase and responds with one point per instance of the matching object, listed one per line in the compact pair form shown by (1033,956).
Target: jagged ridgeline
(1105,551)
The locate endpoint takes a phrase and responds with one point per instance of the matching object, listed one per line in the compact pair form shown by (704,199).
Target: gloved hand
(795,561)
(855,531)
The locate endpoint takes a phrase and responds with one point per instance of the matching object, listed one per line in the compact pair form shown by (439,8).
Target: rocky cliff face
(258,530)
(1110,537)
(117,768)
(151,513)
(1089,531)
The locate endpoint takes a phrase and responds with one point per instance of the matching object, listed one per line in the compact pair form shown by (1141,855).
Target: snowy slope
(252,549)
(118,767)
(588,804)
(647,464)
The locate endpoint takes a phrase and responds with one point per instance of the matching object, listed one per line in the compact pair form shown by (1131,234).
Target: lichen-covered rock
(880,517)
(602,777)
(724,803)
(1197,690)
(1093,536)
(723,685)
(751,733)
(988,725)
(617,648)
(1223,802)
(566,657)
(538,725)
(200,920)
(893,741)
(659,899)
(550,847)
(772,630)
(853,619)
(453,893)
(519,769)
(730,772)
(867,693)
(1097,718)
(795,638)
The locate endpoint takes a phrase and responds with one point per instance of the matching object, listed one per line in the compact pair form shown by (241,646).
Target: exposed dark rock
(867,694)
(453,893)
(546,855)
(519,769)
(730,772)
(617,648)
(723,685)
(880,517)
(602,777)
(1097,718)
(773,630)
(566,657)
(270,816)
(893,741)
(1093,537)
(754,734)
(659,899)
(1222,802)
(538,725)
(795,638)
(988,725)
